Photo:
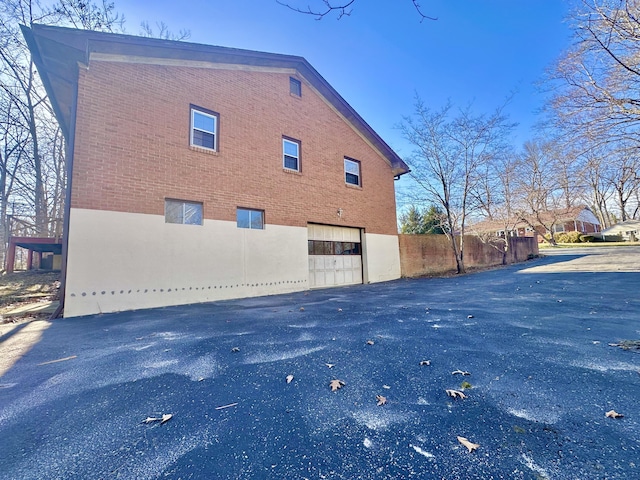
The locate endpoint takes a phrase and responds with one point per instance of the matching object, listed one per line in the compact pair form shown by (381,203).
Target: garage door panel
(331,263)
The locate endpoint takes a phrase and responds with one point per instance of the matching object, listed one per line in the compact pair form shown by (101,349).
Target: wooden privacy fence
(432,254)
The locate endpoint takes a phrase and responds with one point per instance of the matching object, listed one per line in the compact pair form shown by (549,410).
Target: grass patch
(544,245)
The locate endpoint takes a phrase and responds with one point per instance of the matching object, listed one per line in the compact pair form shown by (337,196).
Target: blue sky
(380,56)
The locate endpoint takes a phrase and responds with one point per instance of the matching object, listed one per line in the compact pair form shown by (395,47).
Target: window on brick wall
(204,128)
(291,154)
(352,172)
(248,218)
(295,87)
(180,211)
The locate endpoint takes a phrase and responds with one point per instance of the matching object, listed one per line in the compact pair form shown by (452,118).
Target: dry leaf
(336,385)
(330,365)
(166,417)
(425,362)
(460,372)
(470,445)
(613,414)
(381,400)
(235,349)
(455,393)
(289,378)
(370,342)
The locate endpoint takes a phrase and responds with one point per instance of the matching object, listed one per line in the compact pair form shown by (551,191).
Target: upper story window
(186,213)
(253,219)
(204,128)
(352,172)
(291,154)
(295,87)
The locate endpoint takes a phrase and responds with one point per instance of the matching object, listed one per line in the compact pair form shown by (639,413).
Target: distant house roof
(580,213)
(622,228)
(58,52)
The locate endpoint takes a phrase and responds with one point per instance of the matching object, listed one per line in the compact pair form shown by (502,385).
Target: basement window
(252,219)
(186,213)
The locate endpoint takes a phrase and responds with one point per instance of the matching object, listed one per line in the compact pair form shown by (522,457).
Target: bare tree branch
(342,9)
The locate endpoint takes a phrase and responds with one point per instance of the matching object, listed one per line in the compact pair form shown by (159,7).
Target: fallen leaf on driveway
(289,378)
(613,414)
(425,362)
(165,418)
(470,445)
(336,385)
(381,400)
(460,372)
(455,394)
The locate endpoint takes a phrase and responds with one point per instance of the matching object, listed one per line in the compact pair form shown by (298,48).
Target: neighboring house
(628,230)
(576,219)
(201,173)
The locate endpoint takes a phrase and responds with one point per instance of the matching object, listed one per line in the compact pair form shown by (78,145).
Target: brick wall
(132,148)
(432,254)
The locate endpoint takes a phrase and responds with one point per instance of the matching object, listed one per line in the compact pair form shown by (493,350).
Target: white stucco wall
(123,261)
(381,260)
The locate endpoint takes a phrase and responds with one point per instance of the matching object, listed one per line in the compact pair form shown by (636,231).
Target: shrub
(569,237)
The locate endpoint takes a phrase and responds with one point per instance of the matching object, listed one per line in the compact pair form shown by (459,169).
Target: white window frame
(206,113)
(349,161)
(285,155)
(251,212)
(183,216)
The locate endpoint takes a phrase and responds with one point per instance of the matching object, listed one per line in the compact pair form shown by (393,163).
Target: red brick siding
(132,148)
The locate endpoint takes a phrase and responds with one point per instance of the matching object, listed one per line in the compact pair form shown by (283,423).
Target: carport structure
(37,245)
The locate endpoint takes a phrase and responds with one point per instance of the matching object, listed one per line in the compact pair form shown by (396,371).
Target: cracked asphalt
(534,338)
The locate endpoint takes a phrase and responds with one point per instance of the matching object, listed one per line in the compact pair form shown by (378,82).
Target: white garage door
(335,256)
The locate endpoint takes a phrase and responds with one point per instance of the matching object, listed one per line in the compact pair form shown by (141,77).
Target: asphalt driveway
(534,338)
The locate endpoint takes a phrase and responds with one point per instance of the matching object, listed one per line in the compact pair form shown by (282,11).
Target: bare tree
(162,31)
(32,162)
(598,79)
(540,194)
(341,9)
(450,152)
(494,196)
